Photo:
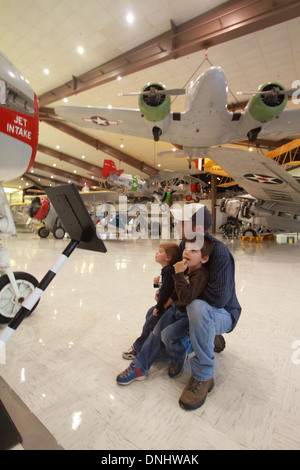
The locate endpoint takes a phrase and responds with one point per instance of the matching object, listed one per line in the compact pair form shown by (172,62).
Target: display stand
(78,224)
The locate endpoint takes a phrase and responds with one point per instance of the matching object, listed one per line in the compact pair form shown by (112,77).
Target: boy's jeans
(153,344)
(149,325)
(205,322)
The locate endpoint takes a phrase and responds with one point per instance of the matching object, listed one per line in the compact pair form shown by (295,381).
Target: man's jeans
(205,322)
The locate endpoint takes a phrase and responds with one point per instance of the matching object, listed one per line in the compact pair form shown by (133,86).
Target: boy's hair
(172,250)
(208,247)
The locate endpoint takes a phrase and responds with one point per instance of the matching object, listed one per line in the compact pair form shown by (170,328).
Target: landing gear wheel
(9,304)
(249,232)
(43,232)
(59,233)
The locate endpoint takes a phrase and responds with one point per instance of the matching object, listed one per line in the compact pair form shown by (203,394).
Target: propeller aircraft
(206,120)
(159,187)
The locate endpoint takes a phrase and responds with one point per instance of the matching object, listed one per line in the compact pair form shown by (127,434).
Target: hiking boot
(176,368)
(194,394)
(219,344)
(129,375)
(130,354)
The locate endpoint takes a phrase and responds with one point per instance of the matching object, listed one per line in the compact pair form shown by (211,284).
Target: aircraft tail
(110,167)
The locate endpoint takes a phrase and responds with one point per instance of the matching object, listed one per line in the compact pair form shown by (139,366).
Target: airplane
(159,187)
(19,128)
(206,120)
(273,202)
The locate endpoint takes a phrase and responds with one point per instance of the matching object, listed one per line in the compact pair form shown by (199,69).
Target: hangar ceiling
(167,41)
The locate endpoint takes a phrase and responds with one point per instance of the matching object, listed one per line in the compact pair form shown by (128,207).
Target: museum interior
(120,120)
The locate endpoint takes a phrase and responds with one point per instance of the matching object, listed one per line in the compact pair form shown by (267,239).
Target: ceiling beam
(80,180)
(228,21)
(63,157)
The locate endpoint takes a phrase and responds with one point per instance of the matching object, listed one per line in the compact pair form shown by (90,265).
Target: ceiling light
(75,171)
(82,156)
(66,100)
(46,71)
(130,18)
(57,147)
(80,50)
(119,77)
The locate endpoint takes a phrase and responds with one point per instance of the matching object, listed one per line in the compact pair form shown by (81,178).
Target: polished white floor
(62,361)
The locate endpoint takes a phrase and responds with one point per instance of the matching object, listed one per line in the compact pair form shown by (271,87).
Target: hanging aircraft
(19,124)
(273,202)
(206,120)
(159,187)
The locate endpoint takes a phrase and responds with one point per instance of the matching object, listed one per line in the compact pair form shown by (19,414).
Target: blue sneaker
(129,375)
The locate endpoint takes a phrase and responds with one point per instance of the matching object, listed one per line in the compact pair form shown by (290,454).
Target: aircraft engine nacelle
(266,107)
(19,122)
(154,105)
(40,209)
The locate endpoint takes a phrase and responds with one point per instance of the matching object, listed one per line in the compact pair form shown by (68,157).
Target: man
(215,312)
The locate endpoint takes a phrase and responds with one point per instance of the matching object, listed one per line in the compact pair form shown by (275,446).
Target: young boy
(166,256)
(173,326)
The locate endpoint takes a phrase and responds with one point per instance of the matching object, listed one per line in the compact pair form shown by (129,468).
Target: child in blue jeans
(173,326)
(167,255)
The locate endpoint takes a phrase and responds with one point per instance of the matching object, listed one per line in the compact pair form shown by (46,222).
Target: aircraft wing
(261,176)
(288,122)
(116,120)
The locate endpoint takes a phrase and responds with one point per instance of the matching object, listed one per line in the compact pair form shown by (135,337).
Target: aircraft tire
(249,232)
(9,305)
(43,232)
(59,233)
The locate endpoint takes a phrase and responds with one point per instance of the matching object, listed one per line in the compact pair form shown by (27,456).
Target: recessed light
(46,71)
(80,50)
(82,156)
(119,77)
(65,100)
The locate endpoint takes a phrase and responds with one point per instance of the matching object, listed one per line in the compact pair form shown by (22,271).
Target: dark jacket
(220,289)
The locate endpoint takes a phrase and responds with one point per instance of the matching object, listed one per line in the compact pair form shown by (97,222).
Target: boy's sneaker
(129,375)
(176,368)
(130,354)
